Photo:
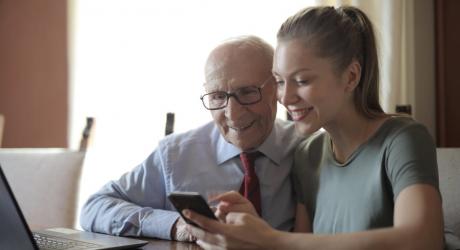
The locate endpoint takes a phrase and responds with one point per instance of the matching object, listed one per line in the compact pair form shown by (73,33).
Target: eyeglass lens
(219,99)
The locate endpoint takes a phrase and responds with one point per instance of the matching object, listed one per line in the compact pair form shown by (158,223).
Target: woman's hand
(241,231)
(232,202)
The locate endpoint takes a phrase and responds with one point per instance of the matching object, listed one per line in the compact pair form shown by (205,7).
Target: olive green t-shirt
(360,193)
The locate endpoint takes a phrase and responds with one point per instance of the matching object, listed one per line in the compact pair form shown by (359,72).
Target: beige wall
(34,72)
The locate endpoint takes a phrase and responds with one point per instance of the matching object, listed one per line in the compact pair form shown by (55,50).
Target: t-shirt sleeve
(411,159)
(305,172)
(298,175)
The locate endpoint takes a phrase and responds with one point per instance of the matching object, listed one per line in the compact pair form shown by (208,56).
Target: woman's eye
(302,82)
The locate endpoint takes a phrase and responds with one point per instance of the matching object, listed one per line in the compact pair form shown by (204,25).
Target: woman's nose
(286,94)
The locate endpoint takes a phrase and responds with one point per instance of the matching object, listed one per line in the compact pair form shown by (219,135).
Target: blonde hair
(342,35)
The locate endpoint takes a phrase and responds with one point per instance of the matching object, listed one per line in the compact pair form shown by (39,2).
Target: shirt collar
(270,148)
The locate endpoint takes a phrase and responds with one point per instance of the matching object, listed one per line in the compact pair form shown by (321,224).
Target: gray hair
(251,41)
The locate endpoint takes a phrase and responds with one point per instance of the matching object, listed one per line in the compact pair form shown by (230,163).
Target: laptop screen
(14,233)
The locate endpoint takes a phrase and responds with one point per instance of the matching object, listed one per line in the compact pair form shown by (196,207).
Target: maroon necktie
(250,187)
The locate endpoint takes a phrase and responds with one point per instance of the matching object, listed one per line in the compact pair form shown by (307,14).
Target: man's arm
(134,205)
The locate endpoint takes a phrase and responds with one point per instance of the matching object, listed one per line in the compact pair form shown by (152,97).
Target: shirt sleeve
(134,205)
(411,159)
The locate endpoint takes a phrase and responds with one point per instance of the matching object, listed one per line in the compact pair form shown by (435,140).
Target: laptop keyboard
(46,242)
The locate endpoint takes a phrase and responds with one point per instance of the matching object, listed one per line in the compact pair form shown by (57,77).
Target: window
(133,61)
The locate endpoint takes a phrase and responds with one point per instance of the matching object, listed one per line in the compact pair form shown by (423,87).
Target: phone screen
(193,201)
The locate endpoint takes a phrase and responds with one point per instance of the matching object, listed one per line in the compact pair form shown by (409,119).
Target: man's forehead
(226,83)
(227,78)
(229,68)
(215,73)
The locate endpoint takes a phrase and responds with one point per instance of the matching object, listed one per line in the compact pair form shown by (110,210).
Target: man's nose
(234,109)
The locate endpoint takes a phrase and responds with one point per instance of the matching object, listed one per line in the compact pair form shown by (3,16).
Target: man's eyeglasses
(244,96)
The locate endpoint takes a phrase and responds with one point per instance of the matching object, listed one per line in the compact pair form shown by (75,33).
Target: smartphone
(193,201)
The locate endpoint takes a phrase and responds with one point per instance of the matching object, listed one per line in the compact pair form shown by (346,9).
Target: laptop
(15,233)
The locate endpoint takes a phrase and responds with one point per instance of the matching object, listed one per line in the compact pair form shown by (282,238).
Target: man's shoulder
(204,134)
(282,140)
(285,130)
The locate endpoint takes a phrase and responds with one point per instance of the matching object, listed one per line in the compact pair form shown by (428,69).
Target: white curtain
(405,36)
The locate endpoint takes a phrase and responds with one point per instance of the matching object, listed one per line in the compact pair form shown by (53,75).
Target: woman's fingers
(208,240)
(240,232)
(231,197)
(195,231)
(205,223)
(206,245)
(226,208)
(220,214)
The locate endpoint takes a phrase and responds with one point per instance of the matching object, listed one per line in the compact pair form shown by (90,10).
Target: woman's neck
(349,131)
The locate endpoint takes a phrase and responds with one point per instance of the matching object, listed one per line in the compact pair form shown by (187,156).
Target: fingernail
(186,212)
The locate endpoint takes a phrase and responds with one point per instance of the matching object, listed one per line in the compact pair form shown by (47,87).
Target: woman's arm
(417,225)
(302,220)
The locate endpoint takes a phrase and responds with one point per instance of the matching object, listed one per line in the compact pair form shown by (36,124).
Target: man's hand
(179,232)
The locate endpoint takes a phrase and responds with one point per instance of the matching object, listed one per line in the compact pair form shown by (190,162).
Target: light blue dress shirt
(200,160)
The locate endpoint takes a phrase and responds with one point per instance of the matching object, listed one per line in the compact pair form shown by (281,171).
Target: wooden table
(167,245)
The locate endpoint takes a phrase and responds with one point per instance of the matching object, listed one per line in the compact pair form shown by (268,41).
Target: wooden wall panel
(34,72)
(447,68)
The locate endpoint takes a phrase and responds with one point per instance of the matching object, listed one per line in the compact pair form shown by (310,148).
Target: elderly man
(241,95)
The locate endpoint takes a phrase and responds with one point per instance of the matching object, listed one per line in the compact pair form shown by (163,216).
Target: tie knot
(248,159)
(250,156)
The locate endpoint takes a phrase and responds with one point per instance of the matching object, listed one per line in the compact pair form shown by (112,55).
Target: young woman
(369,181)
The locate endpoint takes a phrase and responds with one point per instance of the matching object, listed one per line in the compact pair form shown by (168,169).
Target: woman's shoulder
(312,148)
(396,125)
(403,128)
(315,140)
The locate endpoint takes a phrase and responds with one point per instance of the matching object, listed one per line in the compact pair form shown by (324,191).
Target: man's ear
(352,76)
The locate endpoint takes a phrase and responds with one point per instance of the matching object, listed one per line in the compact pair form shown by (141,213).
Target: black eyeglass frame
(233,94)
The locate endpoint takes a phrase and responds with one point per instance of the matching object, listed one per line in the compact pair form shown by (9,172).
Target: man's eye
(247,91)
(218,96)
